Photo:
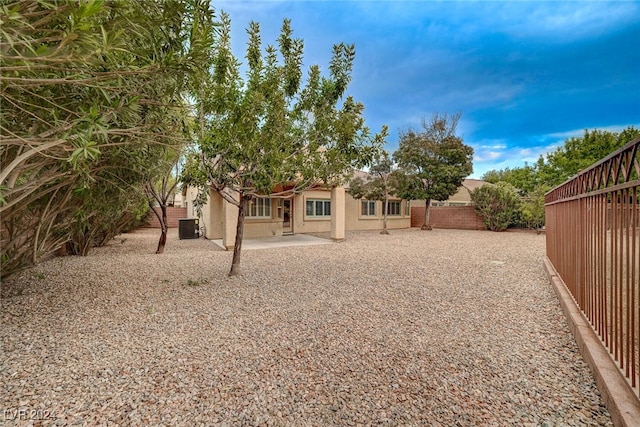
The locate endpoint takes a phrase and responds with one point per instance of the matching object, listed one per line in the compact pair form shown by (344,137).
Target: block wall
(458,217)
(173,214)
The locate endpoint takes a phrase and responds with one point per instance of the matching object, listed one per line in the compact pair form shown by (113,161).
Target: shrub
(532,211)
(497,205)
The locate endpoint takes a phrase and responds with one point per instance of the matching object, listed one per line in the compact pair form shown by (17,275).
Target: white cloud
(570,20)
(579,132)
(494,146)
(487,156)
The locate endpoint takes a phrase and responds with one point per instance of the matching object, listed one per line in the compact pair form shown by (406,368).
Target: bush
(497,205)
(532,211)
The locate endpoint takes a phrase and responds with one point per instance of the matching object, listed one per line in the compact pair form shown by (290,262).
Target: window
(407,208)
(368,208)
(258,208)
(394,207)
(318,208)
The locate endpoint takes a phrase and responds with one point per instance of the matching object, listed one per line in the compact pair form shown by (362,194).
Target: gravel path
(439,328)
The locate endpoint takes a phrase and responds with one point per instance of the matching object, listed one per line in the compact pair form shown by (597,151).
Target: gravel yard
(435,328)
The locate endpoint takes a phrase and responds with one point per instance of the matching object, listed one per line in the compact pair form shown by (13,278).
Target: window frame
(395,203)
(324,204)
(368,211)
(261,204)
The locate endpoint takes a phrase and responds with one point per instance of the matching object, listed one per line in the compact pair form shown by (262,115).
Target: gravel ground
(439,328)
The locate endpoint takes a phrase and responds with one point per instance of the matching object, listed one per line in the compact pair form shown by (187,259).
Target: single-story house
(314,210)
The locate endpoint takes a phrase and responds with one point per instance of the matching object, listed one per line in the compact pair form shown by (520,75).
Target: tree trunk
(164,227)
(237,247)
(427,211)
(384,217)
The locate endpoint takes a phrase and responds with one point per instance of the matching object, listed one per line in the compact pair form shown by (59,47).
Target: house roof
(357,174)
(472,184)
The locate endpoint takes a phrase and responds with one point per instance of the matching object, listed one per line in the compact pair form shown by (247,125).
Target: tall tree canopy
(91,92)
(433,161)
(579,153)
(576,154)
(269,129)
(524,179)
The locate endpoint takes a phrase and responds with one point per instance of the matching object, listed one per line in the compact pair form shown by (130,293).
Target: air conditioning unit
(188,228)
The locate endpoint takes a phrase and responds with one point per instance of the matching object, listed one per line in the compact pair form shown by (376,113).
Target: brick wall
(173,214)
(459,217)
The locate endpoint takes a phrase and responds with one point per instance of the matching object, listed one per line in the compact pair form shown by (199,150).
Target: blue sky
(524,75)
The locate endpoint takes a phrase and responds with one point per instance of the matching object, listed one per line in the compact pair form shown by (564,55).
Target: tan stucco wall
(220,218)
(355,221)
(206,216)
(188,202)
(230,219)
(215,227)
(304,224)
(461,196)
(262,227)
(338,200)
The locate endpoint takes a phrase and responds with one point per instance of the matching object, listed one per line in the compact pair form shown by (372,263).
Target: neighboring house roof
(357,174)
(472,184)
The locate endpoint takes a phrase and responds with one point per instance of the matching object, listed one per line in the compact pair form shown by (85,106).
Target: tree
(377,186)
(433,161)
(497,205)
(80,97)
(578,153)
(532,208)
(524,179)
(267,130)
(159,190)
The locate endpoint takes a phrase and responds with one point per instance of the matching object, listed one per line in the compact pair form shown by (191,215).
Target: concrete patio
(279,241)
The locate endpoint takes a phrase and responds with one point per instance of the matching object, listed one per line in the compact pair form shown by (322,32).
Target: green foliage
(524,179)
(101,214)
(434,160)
(532,208)
(380,184)
(577,154)
(160,187)
(271,127)
(266,129)
(91,94)
(497,205)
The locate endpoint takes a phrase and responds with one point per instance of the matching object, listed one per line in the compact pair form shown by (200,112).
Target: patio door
(287,223)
